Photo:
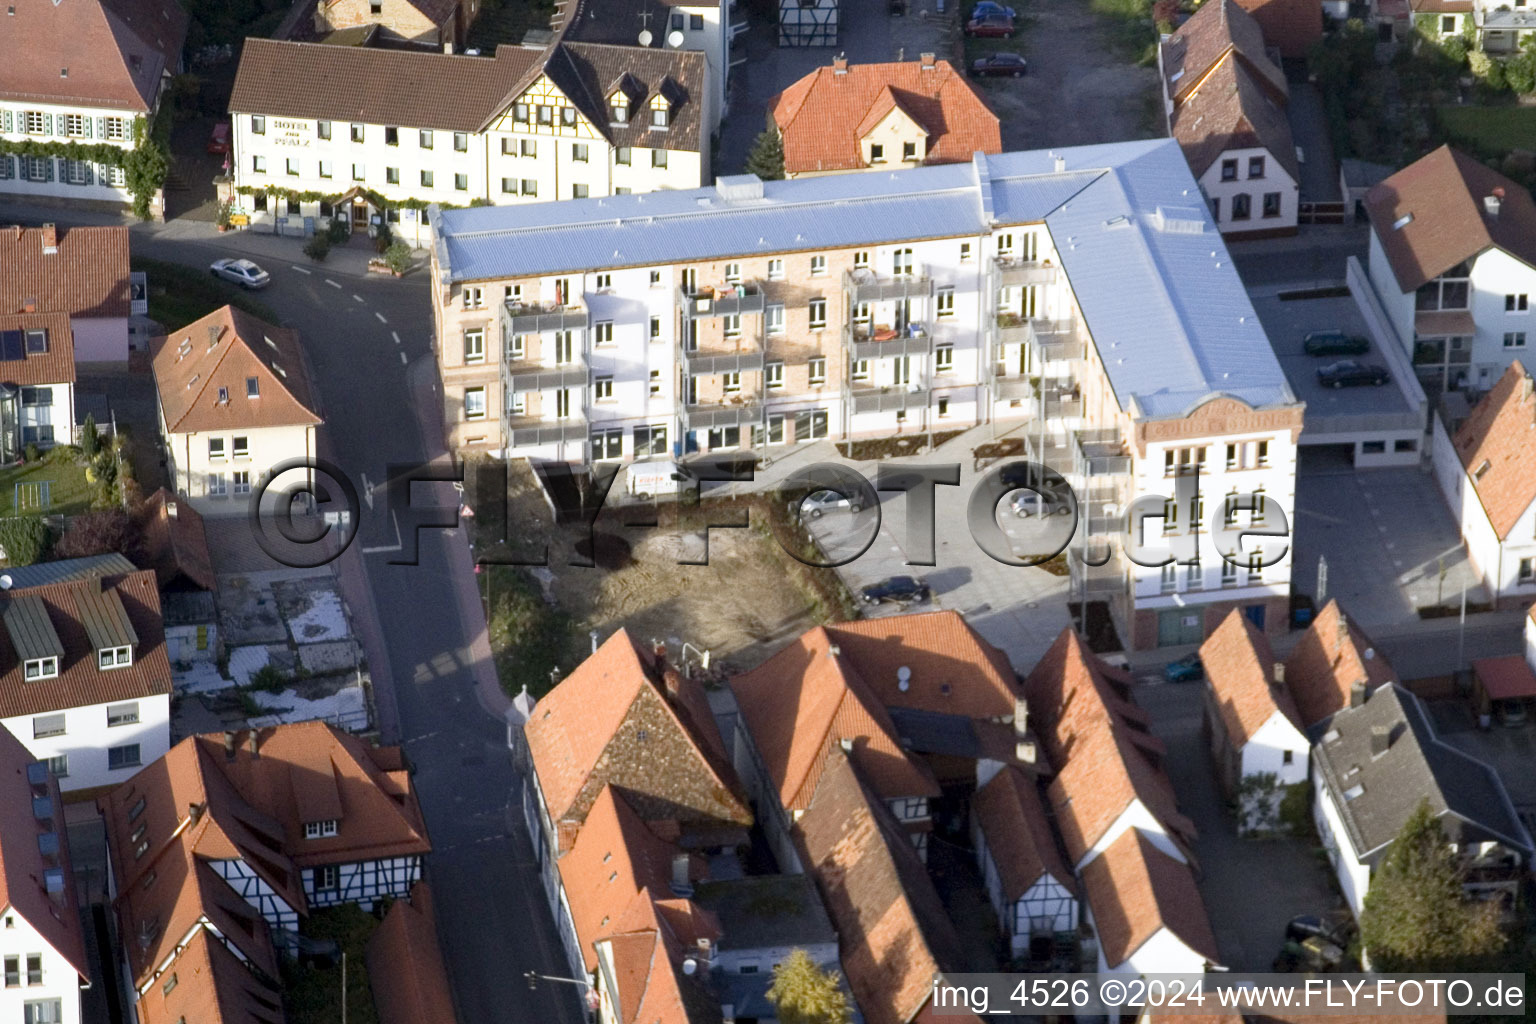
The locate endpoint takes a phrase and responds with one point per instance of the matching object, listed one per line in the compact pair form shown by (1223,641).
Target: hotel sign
(291,133)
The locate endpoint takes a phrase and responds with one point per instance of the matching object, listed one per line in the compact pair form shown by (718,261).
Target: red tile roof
(87,277)
(80,681)
(1327,661)
(801,703)
(115,52)
(824,115)
(1501,433)
(1240,666)
(212,987)
(1443,195)
(405,965)
(953,670)
(194,365)
(1018,834)
(1106,760)
(1218,32)
(1135,890)
(1505,677)
(23,864)
(647,953)
(1230,110)
(173,543)
(56,365)
(1291,26)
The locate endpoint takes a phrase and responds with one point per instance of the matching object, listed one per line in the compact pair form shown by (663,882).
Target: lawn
(179,295)
(68,492)
(1491,129)
(313,993)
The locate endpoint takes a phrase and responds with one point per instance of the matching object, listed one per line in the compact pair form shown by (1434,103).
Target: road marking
(381,317)
(396,336)
(396,546)
(333,284)
(302,270)
(402,358)
(356,297)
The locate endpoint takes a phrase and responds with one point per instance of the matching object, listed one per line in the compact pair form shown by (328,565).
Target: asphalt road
(492,919)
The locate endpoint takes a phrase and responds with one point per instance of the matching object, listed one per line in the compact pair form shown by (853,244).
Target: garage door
(1178,626)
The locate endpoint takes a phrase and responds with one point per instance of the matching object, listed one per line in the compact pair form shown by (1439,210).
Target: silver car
(818,503)
(241,272)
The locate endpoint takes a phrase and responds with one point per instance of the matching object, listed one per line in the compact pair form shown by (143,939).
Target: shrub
(96,533)
(1455,50)
(1520,72)
(338,232)
(90,439)
(398,256)
(318,247)
(23,539)
(30,452)
(270,678)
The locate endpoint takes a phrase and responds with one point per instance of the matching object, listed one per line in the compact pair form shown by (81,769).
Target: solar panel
(11,346)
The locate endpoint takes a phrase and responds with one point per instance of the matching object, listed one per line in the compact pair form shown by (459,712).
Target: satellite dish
(903,678)
(646,37)
(6,581)
(690,965)
(674,39)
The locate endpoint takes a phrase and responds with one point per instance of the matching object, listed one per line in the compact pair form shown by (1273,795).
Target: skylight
(1402,222)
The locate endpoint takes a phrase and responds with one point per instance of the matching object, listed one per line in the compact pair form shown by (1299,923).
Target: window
(655,328)
(618,111)
(658,158)
(424,138)
(1255,167)
(114,657)
(357,133)
(426,179)
(1516,303)
(392,175)
(579,152)
(773,375)
(579,192)
(42,1011)
(520,112)
(1170,578)
(461,142)
(252,387)
(530,187)
(509,186)
(731,382)
(44,726)
(136,810)
(660,116)
(568,116)
(944,302)
(1241,206)
(325,169)
(58,766)
(36,125)
(12,971)
(293,207)
(773,319)
(602,332)
(733,273)
(1287,756)
(818,311)
(1271,204)
(944,359)
(474,403)
(359,173)
(1514,339)
(241,446)
(258,165)
(122,714)
(1229,170)
(1228,574)
(731,325)
(623,156)
(810,424)
(1448,291)
(1177,461)
(125,756)
(474,345)
(258,125)
(860,369)
(1448,25)
(37,342)
(322,129)
(695,22)
(461,182)
(909,151)
(320,829)
(876,154)
(242,481)
(216,486)
(1527,570)
(817,368)
(818,266)
(965,252)
(655,382)
(117,128)
(391,136)
(656,278)
(166,988)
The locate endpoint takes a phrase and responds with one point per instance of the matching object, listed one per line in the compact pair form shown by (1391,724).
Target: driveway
(1251,887)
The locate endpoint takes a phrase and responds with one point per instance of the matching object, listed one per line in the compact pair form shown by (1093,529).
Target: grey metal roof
(68,569)
(1151,274)
(767,911)
(933,732)
(31,631)
(102,614)
(1417,765)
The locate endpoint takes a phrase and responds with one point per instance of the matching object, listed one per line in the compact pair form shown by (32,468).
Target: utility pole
(343,987)
(1461,636)
(1322,581)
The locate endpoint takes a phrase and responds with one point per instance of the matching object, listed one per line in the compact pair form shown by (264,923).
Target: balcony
(1060,399)
(533,431)
(138,293)
(535,318)
(866,286)
(896,398)
(1109,578)
(881,341)
(699,364)
(1100,453)
(1054,340)
(746,412)
(1023,272)
(1010,388)
(521,377)
(727,300)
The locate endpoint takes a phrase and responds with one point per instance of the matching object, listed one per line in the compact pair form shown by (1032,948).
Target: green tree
(90,438)
(1520,72)
(767,157)
(23,539)
(1417,918)
(144,168)
(803,993)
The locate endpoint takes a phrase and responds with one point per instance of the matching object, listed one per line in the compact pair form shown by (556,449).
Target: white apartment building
(373,135)
(235,400)
(89,686)
(43,963)
(1453,261)
(754,315)
(85,74)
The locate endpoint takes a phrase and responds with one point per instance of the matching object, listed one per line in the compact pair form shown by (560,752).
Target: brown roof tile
(172,542)
(23,864)
(212,987)
(190,383)
(80,682)
(1291,26)
(1097,739)
(1229,110)
(405,964)
(584,71)
(115,51)
(894,934)
(1443,195)
(1135,890)
(647,953)
(801,703)
(1215,33)
(55,366)
(1241,669)
(823,116)
(1501,432)
(1018,834)
(1329,659)
(86,278)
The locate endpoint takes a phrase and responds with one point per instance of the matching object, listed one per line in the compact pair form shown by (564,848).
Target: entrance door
(360,214)
(1178,626)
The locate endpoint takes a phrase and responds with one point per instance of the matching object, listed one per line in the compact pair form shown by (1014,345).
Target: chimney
(253,743)
(1491,203)
(1060,164)
(1357,694)
(928,61)
(231,744)
(214,330)
(681,885)
(29,305)
(1280,673)
(1527,387)
(846,744)
(840,64)
(1020,717)
(448,46)
(170,509)
(50,240)
(1381,739)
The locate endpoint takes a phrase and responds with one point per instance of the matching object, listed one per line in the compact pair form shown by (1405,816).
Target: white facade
(47,414)
(1250,191)
(1045,908)
(1162,953)
(46,987)
(1507,567)
(218,472)
(1530,639)
(97,744)
(25,177)
(1137,816)
(1277,748)
(1354,877)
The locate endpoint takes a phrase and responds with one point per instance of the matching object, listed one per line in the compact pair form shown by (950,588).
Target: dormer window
(320,829)
(41,668)
(619,109)
(114,657)
(661,115)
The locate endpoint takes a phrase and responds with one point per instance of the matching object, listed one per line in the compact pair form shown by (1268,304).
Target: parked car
(1299,929)
(241,272)
(1512,713)
(1056,493)
(985,7)
(992,26)
(218,141)
(1028,503)
(1350,374)
(1334,343)
(1187,669)
(896,590)
(819,503)
(999,64)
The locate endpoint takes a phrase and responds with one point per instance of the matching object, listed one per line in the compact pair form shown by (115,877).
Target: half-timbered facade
(1032,891)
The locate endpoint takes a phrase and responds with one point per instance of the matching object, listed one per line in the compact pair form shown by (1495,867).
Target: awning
(1505,678)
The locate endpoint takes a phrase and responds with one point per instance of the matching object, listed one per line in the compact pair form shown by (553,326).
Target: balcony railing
(1018,272)
(138,293)
(1015,387)
(728,300)
(532,318)
(1100,453)
(1054,340)
(866,286)
(523,377)
(699,364)
(1109,578)
(895,398)
(531,431)
(747,412)
(883,342)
